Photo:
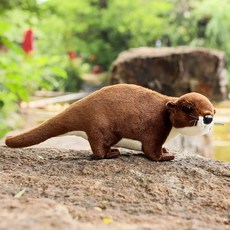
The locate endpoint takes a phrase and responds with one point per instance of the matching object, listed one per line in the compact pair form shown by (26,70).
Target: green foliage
(22,4)
(216,23)
(22,74)
(105,28)
(97,30)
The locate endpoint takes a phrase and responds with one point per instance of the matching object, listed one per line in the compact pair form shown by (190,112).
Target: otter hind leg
(101,145)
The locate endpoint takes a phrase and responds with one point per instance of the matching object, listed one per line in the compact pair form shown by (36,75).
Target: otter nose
(208,119)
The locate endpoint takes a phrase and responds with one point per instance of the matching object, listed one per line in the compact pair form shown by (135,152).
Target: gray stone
(173,71)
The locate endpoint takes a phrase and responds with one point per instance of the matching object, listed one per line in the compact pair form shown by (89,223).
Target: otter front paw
(161,158)
(167,158)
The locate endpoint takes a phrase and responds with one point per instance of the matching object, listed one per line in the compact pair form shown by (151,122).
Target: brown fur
(120,111)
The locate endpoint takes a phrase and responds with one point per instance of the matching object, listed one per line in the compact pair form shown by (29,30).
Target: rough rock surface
(65,189)
(173,71)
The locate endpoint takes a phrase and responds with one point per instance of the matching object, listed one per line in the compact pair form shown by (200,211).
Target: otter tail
(46,130)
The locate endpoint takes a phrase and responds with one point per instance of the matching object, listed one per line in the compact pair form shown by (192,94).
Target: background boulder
(173,71)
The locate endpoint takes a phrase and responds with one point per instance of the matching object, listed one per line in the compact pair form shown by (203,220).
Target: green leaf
(20,194)
(59,72)
(3,27)
(1,103)
(12,45)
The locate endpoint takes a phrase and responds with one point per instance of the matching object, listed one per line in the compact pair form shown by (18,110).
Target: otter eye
(187,109)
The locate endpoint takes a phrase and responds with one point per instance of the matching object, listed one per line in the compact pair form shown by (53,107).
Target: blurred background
(53,52)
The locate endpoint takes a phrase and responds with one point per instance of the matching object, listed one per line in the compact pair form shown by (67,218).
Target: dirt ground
(45,188)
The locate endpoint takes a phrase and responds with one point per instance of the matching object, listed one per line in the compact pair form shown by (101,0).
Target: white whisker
(194,122)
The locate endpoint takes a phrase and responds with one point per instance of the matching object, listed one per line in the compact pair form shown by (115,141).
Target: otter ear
(170,105)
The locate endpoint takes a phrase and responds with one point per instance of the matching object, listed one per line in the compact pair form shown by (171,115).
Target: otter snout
(207,119)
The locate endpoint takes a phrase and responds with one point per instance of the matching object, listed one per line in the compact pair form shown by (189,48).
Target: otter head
(192,114)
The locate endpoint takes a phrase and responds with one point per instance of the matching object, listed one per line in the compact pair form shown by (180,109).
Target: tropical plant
(21,74)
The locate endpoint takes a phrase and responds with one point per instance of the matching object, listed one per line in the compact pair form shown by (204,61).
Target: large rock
(173,71)
(65,189)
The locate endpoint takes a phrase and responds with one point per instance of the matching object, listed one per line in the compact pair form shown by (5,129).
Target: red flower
(27,43)
(72,54)
(97,69)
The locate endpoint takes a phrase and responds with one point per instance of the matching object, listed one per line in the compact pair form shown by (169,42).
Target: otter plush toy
(126,111)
